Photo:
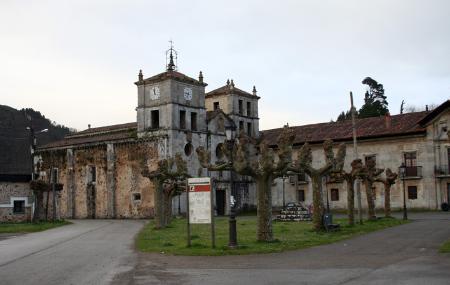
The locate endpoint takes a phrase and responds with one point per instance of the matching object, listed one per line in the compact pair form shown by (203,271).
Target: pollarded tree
(332,165)
(350,177)
(254,158)
(371,174)
(390,179)
(167,180)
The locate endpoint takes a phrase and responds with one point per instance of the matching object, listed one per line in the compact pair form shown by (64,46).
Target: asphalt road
(406,254)
(86,252)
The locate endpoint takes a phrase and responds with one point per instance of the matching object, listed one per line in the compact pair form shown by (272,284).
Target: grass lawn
(445,247)
(288,235)
(29,227)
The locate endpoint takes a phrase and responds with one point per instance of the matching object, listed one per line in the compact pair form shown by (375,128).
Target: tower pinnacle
(171,53)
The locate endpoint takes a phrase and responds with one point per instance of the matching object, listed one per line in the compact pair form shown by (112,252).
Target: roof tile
(374,127)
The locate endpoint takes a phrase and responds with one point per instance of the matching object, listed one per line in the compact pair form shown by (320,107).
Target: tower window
(155,119)
(219,151)
(241,111)
(193,121)
(188,149)
(216,105)
(249,109)
(182,119)
(241,126)
(249,129)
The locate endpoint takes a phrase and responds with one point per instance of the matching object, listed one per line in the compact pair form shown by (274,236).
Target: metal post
(284,200)
(179,205)
(32,148)
(187,216)
(355,153)
(232,243)
(328,200)
(405,214)
(213,228)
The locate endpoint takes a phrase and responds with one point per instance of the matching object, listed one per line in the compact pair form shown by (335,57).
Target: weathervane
(171,53)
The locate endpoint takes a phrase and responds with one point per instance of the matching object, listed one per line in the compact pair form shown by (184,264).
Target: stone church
(100,167)
(101,171)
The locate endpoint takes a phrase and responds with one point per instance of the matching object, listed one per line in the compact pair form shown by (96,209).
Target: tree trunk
(387,200)
(167,209)
(351,201)
(264,211)
(37,205)
(159,204)
(370,202)
(317,202)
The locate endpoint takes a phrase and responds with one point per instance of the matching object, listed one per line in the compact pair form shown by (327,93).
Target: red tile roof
(375,127)
(99,135)
(434,113)
(104,129)
(171,75)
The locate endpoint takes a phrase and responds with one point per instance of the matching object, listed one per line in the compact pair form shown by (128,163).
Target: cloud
(76,61)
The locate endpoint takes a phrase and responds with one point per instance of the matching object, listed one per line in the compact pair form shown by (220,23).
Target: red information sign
(200,200)
(200,188)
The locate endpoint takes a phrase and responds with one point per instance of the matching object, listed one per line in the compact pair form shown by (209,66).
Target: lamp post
(403,175)
(32,150)
(232,243)
(33,146)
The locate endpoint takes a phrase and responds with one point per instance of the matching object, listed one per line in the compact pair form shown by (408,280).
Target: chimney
(89,126)
(388,120)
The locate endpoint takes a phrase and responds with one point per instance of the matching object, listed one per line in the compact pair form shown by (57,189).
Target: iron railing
(412,172)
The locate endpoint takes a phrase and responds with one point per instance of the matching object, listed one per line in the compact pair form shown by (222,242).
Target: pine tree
(375,103)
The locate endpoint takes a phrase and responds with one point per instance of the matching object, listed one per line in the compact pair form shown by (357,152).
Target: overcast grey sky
(76,61)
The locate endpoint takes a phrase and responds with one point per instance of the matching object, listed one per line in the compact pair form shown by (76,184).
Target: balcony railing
(334,179)
(442,171)
(412,172)
(298,178)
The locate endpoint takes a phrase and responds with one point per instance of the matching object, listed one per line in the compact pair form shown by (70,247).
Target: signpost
(200,205)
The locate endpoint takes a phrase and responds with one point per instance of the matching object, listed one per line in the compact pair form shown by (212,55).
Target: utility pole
(355,153)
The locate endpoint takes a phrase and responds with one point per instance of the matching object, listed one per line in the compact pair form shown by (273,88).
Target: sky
(76,61)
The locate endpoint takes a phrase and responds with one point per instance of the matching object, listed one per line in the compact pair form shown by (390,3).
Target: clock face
(154,93)
(187,93)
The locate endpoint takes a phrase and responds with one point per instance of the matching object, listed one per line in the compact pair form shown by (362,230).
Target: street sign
(199,206)
(199,200)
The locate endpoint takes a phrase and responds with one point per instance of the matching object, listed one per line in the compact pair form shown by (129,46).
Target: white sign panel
(199,200)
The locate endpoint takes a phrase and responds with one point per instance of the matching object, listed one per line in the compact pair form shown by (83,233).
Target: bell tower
(172,104)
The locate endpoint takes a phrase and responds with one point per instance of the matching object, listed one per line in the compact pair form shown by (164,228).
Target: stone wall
(10,191)
(389,154)
(130,183)
(117,190)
